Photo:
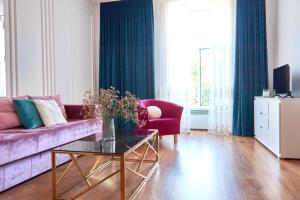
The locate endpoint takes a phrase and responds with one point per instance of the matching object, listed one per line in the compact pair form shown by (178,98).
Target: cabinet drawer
(262,123)
(261,107)
(262,129)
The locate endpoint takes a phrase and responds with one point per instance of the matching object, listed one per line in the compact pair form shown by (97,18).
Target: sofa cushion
(165,126)
(27,113)
(8,115)
(50,112)
(19,143)
(56,98)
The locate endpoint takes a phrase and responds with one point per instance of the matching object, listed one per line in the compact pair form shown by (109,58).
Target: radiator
(199,119)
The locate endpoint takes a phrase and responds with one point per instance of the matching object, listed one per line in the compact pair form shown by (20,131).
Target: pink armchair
(169,123)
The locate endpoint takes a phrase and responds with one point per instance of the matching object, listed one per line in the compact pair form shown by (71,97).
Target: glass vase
(108,128)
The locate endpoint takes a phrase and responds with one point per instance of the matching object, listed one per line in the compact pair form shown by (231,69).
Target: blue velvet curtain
(127,47)
(251,75)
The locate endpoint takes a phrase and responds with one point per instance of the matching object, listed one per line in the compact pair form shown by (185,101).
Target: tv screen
(281,79)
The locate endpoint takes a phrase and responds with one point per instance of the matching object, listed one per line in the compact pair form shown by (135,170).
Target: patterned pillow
(50,112)
(56,98)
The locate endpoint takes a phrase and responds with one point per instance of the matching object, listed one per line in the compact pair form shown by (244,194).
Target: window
(189,49)
(200,76)
(200,16)
(204,64)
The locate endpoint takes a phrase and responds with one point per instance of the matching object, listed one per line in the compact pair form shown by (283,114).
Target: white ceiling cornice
(99,1)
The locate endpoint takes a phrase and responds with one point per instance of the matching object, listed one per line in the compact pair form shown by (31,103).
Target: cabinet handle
(260,126)
(261,113)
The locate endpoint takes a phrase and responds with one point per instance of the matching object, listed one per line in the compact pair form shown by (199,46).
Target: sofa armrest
(74,111)
(174,111)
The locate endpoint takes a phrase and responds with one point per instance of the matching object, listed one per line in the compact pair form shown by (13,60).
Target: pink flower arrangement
(107,103)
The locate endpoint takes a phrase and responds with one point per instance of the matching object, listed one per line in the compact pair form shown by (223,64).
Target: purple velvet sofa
(25,153)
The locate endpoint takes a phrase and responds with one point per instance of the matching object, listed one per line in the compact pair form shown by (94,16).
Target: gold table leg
(157,147)
(122,178)
(53,160)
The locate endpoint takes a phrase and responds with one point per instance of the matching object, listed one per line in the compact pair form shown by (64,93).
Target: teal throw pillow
(28,114)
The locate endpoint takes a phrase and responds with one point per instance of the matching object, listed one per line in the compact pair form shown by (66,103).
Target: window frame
(200,77)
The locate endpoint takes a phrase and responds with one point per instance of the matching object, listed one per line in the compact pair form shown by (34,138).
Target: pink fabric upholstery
(74,111)
(56,98)
(166,126)
(169,123)
(25,153)
(19,143)
(8,115)
(21,170)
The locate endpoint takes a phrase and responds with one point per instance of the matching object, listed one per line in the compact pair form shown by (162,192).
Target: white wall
(51,48)
(271,21)
(289,39)
(283,19)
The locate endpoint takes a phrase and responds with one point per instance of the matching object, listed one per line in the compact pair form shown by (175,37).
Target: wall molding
(48,47)
(44,50)
(47,57)
(10,50)
(11,31)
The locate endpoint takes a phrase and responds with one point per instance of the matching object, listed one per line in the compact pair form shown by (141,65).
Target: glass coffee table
(126,143)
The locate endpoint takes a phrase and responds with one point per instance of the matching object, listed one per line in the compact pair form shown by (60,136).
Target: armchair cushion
(166,126)
(154,112)
(158,123)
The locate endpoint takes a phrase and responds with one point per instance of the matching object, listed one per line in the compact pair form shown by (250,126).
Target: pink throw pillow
(8,116)
(56,98)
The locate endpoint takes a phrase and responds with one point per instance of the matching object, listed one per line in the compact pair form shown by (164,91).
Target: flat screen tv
(281,79)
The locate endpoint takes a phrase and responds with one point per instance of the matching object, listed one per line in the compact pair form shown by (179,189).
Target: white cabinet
(277,125)
(274,128)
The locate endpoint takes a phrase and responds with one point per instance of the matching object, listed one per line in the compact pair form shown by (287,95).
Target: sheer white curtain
(179,33)
(221,72)
(172,68)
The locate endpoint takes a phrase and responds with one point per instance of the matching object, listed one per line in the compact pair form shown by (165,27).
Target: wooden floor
(201,166)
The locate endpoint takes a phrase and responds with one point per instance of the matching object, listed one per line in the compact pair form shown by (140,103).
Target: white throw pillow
(50,112)
(154,112)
